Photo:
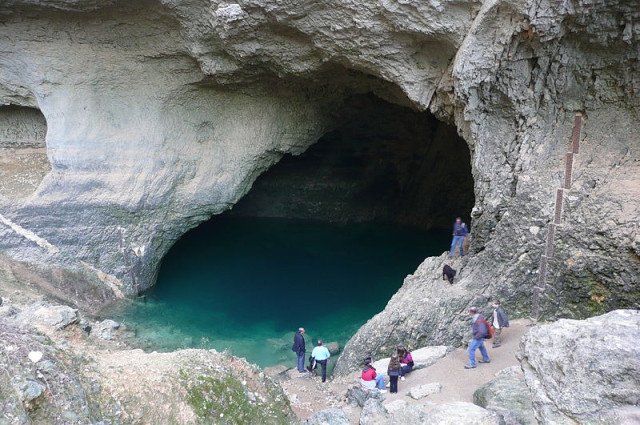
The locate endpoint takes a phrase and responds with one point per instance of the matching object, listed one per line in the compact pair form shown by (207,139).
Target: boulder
(333,347)
(396,405)
(328,417)
(461,413)
(585,371)
(422,391)
(508,395)
(422,357)
(31,391)
(105,329)
(357,395)
(374,413)
(56,317)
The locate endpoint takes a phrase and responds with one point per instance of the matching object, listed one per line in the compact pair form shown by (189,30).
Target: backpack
(490,331)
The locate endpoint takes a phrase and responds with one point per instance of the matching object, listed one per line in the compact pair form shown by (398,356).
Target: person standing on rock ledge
(459,233)
(500,321)
(480,331)
(299,349)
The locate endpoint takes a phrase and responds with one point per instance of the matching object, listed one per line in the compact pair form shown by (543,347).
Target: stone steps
(548,254)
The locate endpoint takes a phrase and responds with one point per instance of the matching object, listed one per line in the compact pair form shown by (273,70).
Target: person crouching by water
(370,379)
(299,348)
(406,361)
(394,372)
(459,233)
(321,355)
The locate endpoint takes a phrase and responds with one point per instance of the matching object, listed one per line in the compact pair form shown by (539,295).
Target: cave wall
(380,162)
(23,152)
(162,113)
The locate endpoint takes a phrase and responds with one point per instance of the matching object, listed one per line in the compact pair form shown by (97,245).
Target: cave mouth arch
(322,240)
(23,151)
(380,162)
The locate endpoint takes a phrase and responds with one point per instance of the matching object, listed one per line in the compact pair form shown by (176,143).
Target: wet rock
(328,417)
(584,370)
(357,395)
(333,347)
(105,329)
(461,413)
(425,390)
(508,395)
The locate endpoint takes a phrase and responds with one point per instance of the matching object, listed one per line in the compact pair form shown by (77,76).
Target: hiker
(320,354)
(299,349)
(500,321)
(370,379)
(394,372)
(406,361)
(459,233)
(448,273)
(480,331)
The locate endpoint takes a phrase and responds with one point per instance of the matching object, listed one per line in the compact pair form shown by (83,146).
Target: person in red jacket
(370,378)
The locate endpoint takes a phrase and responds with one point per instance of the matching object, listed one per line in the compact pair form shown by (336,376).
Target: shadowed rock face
(380,162)
(161,114)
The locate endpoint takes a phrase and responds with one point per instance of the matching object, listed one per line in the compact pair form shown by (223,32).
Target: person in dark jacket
(299,349)
(394,372)
(459,233)
(479,331)
(500,321)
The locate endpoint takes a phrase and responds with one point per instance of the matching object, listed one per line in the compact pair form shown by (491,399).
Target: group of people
(400,364)
(481,330)
(319,355)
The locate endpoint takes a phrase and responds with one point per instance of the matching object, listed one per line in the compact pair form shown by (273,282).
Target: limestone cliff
(162,113)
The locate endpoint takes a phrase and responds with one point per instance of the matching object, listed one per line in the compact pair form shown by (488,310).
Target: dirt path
(458,384)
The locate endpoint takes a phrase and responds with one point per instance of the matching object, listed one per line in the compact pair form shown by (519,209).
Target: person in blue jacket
(480,331)
(460,231)
(299,348)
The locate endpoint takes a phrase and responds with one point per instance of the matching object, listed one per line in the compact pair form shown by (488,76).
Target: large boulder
(48,317)
(508,395)
(422,357)
(461,413)
(328,417)
(585,371)
(358,395)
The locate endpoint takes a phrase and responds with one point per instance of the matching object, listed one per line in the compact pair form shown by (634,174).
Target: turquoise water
(246,284)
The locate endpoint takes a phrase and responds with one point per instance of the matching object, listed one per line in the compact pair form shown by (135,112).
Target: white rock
(422,391)
(35,356)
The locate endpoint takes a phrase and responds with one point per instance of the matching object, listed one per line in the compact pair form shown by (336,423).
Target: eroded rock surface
(585,371)
(508,395)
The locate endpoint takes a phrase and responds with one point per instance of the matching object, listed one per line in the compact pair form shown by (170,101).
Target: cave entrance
(23,151)
(322,240)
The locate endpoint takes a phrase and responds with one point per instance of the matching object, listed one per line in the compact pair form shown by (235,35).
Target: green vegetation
(226,401)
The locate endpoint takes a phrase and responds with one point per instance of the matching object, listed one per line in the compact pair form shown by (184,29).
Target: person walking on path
(500,321)
(370,379)
(479,330)
(394,372)
(321,355)
(406,361)
(299,349)
(459,233)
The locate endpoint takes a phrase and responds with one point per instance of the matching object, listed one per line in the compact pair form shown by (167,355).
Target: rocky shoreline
(62,367)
